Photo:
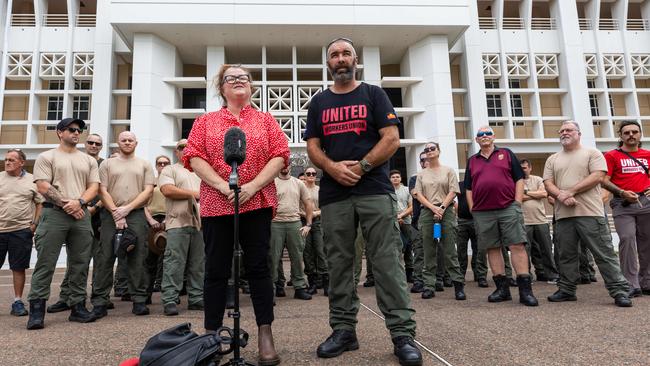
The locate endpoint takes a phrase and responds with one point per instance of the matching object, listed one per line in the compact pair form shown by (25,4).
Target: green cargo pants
(593,233)
(314,254)
(448,240)
(289,233)
(359,251)
(138,277)
(378,218)
(55,228)
(185,252)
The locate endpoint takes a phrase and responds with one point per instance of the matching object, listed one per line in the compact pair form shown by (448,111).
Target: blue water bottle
(437,230)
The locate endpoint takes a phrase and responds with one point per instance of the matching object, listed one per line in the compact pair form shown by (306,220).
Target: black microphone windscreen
(234,146)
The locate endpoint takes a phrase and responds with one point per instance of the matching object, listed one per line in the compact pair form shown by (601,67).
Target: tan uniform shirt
(435,184)
(534,210)
(125,179)
(569,168)
(180,213)
(18,200)
(290,192)
(69,173)
(156,205)
(313,193)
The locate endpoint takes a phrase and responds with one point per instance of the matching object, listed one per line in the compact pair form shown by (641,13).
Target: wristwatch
(442,207)
(365,166)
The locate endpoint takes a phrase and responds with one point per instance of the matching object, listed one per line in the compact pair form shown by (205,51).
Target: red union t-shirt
(625,172)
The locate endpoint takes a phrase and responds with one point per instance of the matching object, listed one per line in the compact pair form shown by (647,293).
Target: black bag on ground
(180,346)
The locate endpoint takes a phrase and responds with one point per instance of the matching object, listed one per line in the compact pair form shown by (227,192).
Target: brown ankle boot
(266,349)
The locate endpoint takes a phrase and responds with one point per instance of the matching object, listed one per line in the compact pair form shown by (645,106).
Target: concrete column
(216,56)
(104,72)
(572,69)
(371,65)
(429,59)
(153,60)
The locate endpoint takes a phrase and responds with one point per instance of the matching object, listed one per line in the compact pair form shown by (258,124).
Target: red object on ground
(131,362)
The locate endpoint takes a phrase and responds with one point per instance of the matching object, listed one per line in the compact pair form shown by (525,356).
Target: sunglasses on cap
(484,133)
(94,143)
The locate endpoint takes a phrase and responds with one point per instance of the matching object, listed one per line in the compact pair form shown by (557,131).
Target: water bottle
(437,230)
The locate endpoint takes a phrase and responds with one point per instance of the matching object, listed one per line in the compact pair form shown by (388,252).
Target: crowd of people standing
(121,209)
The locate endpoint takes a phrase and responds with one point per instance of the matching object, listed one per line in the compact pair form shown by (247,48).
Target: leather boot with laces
(36,314)
(340,341)
(502,293)
(407,351)
(80,314)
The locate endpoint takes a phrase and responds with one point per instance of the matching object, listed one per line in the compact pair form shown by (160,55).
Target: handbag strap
(647,172)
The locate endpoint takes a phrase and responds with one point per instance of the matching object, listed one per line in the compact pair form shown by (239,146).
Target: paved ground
(591,331)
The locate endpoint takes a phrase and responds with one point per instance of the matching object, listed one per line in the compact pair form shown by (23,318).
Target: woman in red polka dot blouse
(267,151)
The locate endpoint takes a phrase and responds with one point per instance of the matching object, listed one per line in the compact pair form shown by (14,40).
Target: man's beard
(344,76)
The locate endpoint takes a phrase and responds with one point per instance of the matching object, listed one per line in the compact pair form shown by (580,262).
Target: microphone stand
(237,340)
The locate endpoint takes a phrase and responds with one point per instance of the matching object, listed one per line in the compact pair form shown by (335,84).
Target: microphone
(234,152)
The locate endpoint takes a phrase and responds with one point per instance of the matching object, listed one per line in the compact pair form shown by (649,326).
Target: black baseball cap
(68,121)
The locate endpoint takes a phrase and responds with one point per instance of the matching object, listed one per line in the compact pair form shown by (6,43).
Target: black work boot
(340,341)
(482,282)
(417,288)
(80,314)
(409,275)
(459,290)
(58,307)
(407,351)
(139,308)
(279,292)
(36,314)
(100,311)
(526,296)
(326,284)
(502,293)
(302,294)
(312,288)
(230,297)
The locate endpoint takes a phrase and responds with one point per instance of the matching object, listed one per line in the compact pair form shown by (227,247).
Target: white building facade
(449,66)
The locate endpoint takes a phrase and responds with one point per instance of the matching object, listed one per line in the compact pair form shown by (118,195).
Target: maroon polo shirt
(492,180)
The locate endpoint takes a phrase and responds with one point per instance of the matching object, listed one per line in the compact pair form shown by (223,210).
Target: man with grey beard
(351,133)
(573,176)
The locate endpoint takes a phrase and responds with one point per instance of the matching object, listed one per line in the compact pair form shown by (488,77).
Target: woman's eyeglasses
(162,163)
(231,79)
(310,174)
(430,149)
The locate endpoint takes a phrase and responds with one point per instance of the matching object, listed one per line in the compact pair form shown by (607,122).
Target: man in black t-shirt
(351,133)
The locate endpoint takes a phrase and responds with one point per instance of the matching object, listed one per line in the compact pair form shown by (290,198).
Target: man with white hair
(494,183)
(573,177)
(126,186)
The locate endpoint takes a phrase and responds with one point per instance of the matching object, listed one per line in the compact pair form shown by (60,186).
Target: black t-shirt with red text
(348,128)
(626,173)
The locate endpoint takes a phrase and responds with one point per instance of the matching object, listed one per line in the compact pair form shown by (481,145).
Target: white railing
(543,23)
(638,24)
(86,20)
(487,23)
(513,23)
(608,24)
(55,20)
(585,24)
(23,20)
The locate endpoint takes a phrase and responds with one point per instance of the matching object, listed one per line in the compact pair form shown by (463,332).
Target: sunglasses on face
(74,129)
(484,133)
(430,149)
(231,79)
(630,133)
(93,143)
(181,147)
(310,174)
(162,163)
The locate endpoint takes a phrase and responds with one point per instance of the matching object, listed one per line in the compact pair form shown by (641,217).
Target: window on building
(593,104)
(516,105)
(494,106)
(55,103)
(81,107)
(514,83)
(83,84)
(496,124)
(591,84)
(491,83)
(611,106)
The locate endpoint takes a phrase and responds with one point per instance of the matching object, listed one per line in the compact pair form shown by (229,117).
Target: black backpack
(180,346)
